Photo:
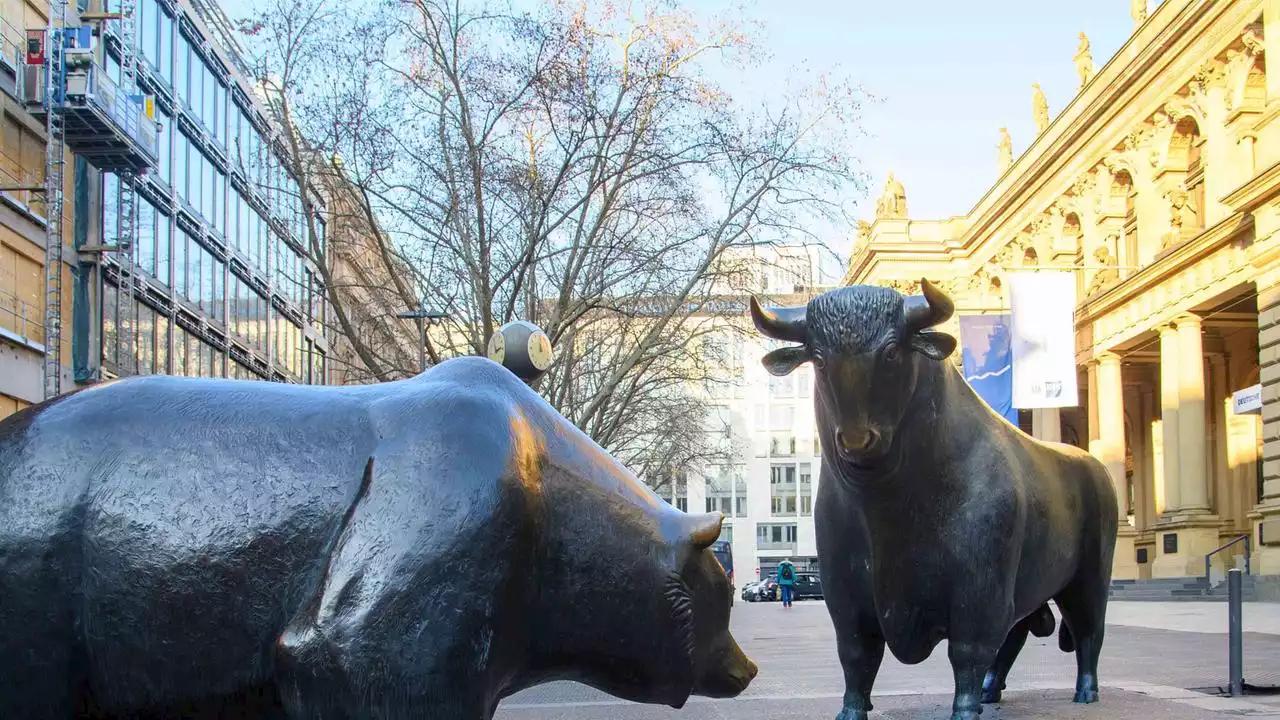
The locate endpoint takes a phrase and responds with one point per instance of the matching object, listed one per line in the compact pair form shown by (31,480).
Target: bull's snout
(729,676)
(857,442)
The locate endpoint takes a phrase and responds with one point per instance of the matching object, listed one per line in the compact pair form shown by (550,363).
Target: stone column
(1169,417)
(1187,531)
(1148,511)
(1110,403)
(1046,424)
(1192,432)
(1220,477)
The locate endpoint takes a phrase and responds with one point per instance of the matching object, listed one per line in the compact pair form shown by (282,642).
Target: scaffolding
(106,123)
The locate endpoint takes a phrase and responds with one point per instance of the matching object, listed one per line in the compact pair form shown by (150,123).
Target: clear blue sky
(947,74)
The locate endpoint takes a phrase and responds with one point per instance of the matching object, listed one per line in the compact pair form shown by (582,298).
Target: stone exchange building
(1160,184)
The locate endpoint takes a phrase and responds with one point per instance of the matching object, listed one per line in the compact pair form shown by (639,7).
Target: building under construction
(182,232)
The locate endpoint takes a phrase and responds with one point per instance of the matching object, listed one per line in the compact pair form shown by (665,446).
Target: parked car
(749,591)
(808,585)
(767,590)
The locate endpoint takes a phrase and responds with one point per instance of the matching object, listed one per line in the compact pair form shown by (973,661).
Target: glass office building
(224,284)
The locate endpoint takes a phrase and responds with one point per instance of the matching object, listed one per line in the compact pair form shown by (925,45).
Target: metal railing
(1248,551)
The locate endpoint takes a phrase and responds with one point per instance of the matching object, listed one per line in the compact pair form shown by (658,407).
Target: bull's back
(175,525)
(1070,508)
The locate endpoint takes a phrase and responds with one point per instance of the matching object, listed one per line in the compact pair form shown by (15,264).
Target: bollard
(1234,632)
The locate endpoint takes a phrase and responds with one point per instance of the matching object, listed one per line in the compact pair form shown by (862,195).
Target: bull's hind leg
(1039,623)
(1084,607)
(993,683)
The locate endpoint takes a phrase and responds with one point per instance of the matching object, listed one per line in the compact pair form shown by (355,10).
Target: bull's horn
(706,529)
(784,323)
(927,310)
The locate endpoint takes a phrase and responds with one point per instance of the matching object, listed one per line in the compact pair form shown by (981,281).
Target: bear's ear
(706,528)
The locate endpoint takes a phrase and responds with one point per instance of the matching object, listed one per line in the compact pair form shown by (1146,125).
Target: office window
(163,137)
(219,278)
(179,351)
(162,248)
(162,344)
(806,489)
(804,382)
(180,263)
(110,208)
(206,281)
(179,181)
(146,240)
(220,202)
(195,281)
(208,178)
(782,489)
(210,114)
(782,417)
(195,84)
(149,31)
(182,53)
(113,68)
(146,340)
(110,322)
(166,47)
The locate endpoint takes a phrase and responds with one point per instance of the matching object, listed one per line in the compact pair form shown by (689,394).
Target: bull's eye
(891,352)
(817,361)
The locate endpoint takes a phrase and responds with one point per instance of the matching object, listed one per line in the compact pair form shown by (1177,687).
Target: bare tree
(577,167)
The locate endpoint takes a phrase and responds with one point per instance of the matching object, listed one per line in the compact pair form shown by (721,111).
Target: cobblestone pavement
(1145,673)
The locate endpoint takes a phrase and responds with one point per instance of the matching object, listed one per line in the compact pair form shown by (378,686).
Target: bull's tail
(1066,643)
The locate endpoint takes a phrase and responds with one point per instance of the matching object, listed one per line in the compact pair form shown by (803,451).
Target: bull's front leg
(971,657)
(860,655)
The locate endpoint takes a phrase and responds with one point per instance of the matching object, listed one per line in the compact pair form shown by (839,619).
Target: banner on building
(987,359)
(1044,348)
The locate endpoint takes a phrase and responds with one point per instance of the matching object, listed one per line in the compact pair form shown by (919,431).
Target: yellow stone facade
(1159,186)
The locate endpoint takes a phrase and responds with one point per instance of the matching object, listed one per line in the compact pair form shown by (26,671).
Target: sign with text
(1043,328)
(1247,401)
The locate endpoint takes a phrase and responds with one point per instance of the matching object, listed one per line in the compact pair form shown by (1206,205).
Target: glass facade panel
(162,248)
(166,47)
(201,281)
(182,51)
(146,236)
(165,128)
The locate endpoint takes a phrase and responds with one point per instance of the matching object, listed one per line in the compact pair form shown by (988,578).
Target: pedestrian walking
(786,581)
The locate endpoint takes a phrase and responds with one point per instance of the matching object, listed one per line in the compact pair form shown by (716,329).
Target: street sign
(1247,401)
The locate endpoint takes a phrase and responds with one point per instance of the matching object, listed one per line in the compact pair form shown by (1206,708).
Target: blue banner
(987,353)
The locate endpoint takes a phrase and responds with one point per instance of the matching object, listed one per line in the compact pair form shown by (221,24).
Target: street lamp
(422,314)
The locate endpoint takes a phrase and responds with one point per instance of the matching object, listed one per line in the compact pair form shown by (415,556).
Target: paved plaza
(1161,660)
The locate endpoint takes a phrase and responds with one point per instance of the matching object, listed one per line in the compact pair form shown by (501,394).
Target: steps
(1179,589)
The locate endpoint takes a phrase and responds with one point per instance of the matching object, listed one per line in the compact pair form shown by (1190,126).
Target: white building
(765,424)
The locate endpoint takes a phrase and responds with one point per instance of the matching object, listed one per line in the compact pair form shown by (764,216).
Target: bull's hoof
(1086,696)
(966,714)
(849,714)
(991,689)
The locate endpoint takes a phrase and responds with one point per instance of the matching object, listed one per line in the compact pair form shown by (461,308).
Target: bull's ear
(933,345)
(783,360)
(706,528)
